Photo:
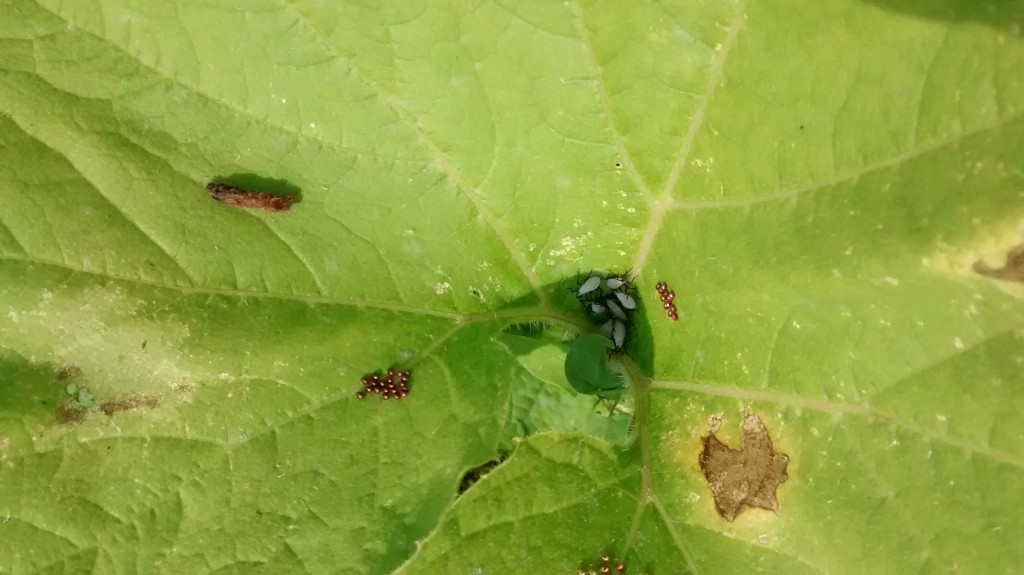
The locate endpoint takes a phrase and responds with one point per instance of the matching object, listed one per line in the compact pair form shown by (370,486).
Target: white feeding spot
(958,343)
(442,288)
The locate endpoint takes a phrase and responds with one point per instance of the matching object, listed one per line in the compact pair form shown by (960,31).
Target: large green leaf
(816,182)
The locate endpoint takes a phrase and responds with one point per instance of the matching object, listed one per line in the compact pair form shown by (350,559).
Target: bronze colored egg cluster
(668,300)
(393,385)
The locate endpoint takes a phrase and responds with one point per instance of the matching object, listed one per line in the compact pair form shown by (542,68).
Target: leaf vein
(664,201)
(602,92)
(846,176)
(840,408)
(441,160)
(191,289)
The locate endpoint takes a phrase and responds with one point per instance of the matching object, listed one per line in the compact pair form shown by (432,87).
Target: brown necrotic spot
(1012,270)
(232,196)
(68,414)
(747,477)
(112,407)
(68,372)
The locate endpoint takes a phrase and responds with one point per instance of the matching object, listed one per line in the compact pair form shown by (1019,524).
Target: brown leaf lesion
(112,407)
(1012,270)
(68,372)
(67,414)
(744,477)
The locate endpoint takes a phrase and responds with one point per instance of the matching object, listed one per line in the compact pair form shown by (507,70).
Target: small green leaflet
(587,368)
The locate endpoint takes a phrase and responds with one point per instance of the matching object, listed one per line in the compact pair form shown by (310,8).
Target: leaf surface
(818,187)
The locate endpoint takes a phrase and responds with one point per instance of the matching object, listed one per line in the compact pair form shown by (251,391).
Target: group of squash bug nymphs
(393,385)
(610,301)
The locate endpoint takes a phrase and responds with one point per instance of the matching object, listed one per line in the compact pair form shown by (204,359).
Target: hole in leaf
(542,398)
(587,368)
(477,473)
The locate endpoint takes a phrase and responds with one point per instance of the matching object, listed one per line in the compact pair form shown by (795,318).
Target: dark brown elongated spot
(1012,270)
(112,407)
(747,477)
(231,196)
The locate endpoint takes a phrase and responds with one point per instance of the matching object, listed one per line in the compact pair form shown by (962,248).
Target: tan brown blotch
(68,414)
(1012,270)
(747,477)
(112,407)
(68,371)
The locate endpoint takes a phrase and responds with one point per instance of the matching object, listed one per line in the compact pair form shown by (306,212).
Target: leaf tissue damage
(112,407)
(1012,270)
(747,477)
(478,473)
(78,402)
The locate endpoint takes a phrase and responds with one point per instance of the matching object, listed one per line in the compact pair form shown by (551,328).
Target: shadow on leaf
(998,13)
